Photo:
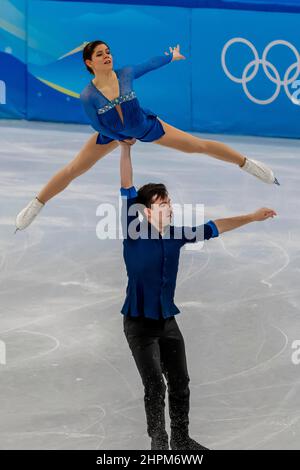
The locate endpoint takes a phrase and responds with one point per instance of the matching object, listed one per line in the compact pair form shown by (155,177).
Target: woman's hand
(176,53)
(127,142)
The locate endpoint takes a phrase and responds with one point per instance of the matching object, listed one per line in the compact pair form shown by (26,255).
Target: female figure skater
(151,250)
(115,113)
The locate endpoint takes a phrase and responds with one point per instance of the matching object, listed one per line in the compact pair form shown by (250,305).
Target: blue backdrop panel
(238,95)
(13,44)
(254,90)
(57,74)
(259,5)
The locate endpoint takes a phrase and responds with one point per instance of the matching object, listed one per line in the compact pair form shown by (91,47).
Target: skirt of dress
(154,130)
(103,139)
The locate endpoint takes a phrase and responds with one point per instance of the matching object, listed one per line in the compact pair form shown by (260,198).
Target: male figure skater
(151,250)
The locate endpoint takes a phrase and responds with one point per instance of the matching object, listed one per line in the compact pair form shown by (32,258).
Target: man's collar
(152,231)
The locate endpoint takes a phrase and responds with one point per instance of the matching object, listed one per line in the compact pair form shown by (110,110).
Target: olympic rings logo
(274,77)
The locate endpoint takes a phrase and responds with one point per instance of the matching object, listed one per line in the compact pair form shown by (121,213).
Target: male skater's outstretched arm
(231,223)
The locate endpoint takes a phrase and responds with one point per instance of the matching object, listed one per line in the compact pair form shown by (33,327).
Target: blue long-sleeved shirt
(152,260)
(140,123)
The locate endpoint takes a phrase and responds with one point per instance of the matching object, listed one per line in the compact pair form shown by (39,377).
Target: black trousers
(158,349)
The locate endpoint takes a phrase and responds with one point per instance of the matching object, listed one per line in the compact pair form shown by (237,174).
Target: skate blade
(276,182)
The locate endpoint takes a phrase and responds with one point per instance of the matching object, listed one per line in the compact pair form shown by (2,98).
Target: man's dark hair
(150,192)
(88,52)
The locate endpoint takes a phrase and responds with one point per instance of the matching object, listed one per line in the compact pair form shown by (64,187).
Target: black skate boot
(160,441)
(184,442)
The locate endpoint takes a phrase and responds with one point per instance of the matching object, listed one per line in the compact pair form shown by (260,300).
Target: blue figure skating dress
(138,122)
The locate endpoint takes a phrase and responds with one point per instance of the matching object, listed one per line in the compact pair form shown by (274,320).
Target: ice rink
(69,380)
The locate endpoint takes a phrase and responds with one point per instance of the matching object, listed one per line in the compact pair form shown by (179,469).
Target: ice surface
(70,381)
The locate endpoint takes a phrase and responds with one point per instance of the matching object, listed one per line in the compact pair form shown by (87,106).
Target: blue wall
(218,88)
(258,5)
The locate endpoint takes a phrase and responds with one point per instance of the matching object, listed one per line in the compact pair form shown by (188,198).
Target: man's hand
(127,142)
(263,214)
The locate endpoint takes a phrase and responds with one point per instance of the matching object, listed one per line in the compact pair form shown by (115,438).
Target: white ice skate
(260,170)
(26,216)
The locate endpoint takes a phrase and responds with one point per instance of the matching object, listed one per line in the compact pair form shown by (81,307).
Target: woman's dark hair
(88,52)
(149,190)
